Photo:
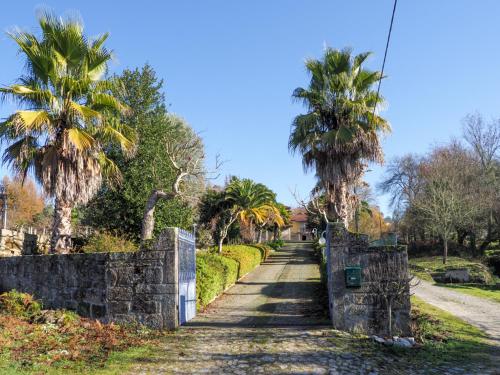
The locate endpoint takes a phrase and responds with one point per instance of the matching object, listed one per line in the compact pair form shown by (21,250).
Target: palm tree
(243,200)
(69,121)
(254,201)
(339,132)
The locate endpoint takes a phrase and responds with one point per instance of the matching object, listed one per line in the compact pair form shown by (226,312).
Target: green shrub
(204,238)
(265,250)
(20,305)
(277,244)
(247,256)
(107,242)
(214,273)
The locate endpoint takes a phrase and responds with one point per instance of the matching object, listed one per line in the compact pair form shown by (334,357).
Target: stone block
(83,309)
(119,293)
(153,275)
(97,311)
(120,307)
(145,288)
(143,305)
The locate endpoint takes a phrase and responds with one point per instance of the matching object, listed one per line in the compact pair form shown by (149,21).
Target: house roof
(299,215)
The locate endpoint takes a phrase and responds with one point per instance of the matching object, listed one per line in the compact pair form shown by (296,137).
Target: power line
(385,56)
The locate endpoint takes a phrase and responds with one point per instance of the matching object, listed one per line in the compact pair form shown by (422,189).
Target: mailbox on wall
(353,276)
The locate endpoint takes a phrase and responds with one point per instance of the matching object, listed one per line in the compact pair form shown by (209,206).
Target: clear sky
(230,67)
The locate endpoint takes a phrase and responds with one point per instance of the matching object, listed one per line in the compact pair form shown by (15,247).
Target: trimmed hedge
(264,249)
(215,273)
(247,256)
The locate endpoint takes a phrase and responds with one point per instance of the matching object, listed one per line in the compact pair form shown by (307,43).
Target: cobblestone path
(273,322)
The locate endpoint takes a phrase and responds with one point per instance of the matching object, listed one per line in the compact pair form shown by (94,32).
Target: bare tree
(403,180)
(484,139)
(391,282)
(448,199)
(184,149)
(316,205)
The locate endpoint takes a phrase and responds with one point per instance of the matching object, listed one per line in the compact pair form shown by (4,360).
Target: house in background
(298,229)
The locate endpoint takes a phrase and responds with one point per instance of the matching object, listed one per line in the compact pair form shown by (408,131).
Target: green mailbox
(353,276)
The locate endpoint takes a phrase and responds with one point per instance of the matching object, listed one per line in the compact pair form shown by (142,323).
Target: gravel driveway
(479,312)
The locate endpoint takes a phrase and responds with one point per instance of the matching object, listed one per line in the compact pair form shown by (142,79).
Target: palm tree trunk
(339,203)
(259,239)
(60,241)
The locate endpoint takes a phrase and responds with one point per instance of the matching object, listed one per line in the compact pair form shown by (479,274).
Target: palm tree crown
(70,117)
(339,132)
(253,201)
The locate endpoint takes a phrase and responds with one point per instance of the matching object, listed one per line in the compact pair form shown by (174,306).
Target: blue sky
(230,67)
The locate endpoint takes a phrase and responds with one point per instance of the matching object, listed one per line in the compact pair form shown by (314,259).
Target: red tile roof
(299,215)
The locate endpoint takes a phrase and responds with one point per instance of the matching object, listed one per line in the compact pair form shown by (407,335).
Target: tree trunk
(461,235)
(389,318)
(221,240)
(337,203)
(472,244)
(259,238)
(148,220)
(445,251)
(60,241)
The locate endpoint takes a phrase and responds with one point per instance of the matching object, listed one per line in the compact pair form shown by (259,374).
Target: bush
(247,256)
(214,274)
(107,242)
(265,250)
(204,238)
(277,244)
(20,305)
(493,260)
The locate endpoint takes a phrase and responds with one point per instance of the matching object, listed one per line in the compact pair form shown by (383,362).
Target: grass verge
(443,341)
(491,292)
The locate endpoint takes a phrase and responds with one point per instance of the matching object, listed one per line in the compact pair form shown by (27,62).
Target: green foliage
(492,259)
(107,242)
(247,256)
(444,336)
(121,209)
(20,305)
(276,244)
(214,274)
(264,249)
(424,268)
(204,238)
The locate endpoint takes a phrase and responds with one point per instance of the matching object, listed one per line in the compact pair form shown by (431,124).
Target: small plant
(20,305)
(276,244)
(107,242)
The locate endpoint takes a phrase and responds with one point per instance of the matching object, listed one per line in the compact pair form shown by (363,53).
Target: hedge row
(215,273)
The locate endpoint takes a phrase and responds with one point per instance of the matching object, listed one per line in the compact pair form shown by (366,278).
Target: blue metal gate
(187,276)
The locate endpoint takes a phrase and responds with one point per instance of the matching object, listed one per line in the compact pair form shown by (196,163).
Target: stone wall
(361,309)
(121,287)
(16,243)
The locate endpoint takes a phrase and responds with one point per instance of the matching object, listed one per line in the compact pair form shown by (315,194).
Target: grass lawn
(443,339)
(423,267)
(491,292)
